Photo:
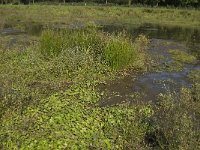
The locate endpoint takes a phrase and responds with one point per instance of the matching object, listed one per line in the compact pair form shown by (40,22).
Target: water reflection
(176,33)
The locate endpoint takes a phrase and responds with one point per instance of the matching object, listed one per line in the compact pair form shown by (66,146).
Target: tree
(129,3)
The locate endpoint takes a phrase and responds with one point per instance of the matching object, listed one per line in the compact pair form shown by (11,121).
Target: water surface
(147,86)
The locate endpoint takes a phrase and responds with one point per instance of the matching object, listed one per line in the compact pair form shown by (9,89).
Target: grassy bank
(45,14)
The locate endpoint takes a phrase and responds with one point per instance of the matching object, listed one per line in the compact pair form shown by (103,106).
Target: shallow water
(147,86)
(16,34)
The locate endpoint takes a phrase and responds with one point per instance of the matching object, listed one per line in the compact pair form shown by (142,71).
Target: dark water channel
(147,86)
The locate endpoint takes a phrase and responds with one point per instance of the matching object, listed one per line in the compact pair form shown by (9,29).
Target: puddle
(11,37)
(11,31)
(153,84)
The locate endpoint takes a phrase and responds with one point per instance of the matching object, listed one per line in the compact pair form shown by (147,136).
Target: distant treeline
(173,3)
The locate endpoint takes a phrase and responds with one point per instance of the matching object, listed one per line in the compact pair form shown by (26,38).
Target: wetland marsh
(90,82)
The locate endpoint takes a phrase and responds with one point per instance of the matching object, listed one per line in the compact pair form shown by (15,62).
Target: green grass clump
(53,42)
(182,56)
(120,52)
(117,51)
(176,121)
(195,76)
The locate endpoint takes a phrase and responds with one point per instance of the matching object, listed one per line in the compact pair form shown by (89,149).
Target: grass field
(49,14)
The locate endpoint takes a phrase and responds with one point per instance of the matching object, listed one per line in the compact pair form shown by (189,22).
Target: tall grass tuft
(119,51)
(51,43)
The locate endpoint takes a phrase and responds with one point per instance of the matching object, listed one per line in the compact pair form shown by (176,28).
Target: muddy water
(147,86)
(12,37)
